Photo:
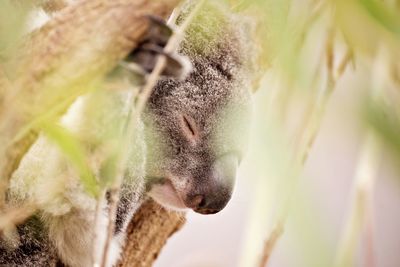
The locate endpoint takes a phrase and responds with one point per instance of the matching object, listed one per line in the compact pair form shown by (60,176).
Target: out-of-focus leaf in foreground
(385,16)
(387,124)
(71,148)
(368,26)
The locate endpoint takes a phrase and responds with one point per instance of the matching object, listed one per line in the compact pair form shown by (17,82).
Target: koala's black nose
(209,204)
(215,191)
(212,204)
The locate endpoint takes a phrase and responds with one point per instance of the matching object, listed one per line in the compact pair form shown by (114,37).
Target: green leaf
(71,148)
(387,17)
(386,123)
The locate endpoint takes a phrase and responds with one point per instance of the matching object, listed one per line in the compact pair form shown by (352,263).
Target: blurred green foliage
(386,124)
(308,46)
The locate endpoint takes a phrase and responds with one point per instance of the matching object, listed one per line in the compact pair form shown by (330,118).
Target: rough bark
(148,232)
(58,62)
(53,6)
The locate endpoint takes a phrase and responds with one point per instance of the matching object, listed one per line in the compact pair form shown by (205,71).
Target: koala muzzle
(214,193)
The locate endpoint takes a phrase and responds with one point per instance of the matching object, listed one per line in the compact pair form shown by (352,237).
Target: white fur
(76,237)
(47,178)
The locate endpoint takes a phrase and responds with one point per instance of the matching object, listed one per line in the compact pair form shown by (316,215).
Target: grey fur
(35,249)
(215,97)
(189,130)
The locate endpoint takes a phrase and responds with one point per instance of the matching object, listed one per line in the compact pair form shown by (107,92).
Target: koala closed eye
(189,128)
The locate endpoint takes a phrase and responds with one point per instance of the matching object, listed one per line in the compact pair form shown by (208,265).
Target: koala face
(196,129)
(196,132)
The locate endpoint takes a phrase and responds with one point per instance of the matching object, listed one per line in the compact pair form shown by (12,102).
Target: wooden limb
(148,232)
(53,5)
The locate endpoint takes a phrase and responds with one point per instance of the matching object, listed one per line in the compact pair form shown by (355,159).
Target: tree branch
(148,232)
(59,62)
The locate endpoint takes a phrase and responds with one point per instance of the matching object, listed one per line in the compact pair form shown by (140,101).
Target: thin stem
(344,63)
(308,135)
(365,177)
(363,187)
(271,242)
(99,205)
(370,231)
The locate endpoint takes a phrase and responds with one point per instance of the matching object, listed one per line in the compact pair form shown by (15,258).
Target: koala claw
(142,60)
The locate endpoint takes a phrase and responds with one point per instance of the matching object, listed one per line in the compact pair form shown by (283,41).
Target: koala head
(196,129)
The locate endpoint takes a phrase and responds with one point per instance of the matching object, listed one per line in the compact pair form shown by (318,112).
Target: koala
(184,152)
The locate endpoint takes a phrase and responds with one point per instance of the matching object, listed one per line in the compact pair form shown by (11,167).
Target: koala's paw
(143,59)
